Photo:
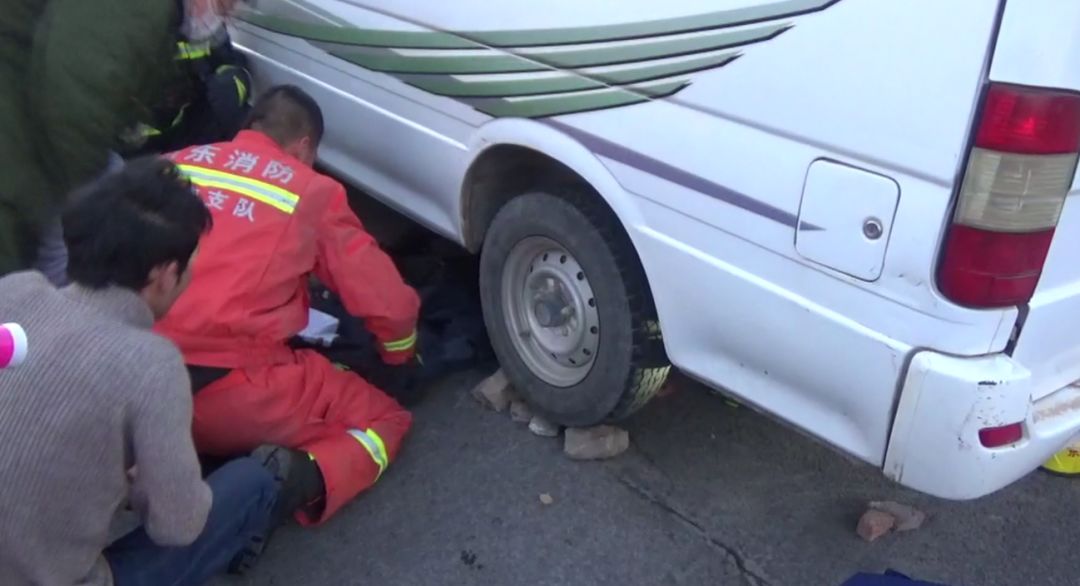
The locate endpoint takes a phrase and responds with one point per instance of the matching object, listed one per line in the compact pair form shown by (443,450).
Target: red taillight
(992,268)
(1012,193)
(996,437)
(1030,121)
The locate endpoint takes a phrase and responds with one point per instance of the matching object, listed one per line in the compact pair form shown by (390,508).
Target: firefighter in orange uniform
(276,221)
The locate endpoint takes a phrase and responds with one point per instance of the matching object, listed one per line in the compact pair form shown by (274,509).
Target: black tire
(630,365)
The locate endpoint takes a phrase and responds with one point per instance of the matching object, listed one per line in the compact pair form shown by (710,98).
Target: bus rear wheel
(568,309)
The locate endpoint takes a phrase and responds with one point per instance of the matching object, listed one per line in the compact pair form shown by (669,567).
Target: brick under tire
(606,291)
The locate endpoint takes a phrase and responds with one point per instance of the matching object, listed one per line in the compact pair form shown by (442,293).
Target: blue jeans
(244,497)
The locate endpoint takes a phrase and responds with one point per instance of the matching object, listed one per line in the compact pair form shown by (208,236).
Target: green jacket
(73,75)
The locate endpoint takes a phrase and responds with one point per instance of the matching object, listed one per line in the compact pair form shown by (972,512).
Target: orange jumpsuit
(276,221)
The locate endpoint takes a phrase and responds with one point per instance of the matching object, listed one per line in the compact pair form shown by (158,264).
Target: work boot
(298,476)
(300,484)
(279,462)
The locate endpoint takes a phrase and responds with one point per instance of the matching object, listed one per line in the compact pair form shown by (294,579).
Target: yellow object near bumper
(1066,462)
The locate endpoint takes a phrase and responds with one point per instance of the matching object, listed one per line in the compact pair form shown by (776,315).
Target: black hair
(139,218)
(286,114)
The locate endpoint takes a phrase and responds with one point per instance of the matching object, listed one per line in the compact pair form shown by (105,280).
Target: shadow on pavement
(707,494)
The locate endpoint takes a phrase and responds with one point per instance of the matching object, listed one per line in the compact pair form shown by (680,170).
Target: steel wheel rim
(550,311)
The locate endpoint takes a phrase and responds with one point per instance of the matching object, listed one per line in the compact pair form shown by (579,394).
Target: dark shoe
(282,464)
(301,483)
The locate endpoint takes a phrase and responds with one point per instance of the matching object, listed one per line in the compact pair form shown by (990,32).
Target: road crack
(741,562)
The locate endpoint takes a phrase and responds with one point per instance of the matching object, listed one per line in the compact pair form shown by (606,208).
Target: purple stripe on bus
(615,152)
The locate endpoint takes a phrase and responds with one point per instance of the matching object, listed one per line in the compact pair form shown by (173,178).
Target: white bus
(858,216)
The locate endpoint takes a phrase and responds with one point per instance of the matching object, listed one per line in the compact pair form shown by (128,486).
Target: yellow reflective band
(179,117)
(191,51)
(382,447)
(268,194)
(374,446)
(149,131)
(402,344)
(241,90)
(241,87)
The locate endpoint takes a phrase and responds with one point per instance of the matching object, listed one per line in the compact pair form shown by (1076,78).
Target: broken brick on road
(596,443)
(875,524)
(520,412)
(494,392)
(907,517)
(542,427)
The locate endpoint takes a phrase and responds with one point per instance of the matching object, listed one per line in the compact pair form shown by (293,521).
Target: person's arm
(167,490)
(352,265)
(92,67)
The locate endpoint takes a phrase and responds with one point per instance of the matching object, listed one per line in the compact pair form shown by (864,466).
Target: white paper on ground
(321,328)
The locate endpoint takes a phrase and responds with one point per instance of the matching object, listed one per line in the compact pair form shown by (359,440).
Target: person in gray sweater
(97,420)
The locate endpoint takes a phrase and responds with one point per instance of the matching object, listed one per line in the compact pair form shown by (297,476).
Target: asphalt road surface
(707,494)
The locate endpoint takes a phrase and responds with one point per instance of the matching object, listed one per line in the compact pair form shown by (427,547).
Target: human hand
(403,382)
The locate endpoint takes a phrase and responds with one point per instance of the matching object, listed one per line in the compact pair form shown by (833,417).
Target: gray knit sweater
(98,394)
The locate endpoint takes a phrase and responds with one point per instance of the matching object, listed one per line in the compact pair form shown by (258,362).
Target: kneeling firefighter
(278,222)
